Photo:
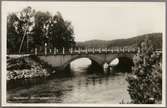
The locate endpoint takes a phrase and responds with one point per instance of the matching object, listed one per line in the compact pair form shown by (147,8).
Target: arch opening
(80,64)
(123,65)
(83,65)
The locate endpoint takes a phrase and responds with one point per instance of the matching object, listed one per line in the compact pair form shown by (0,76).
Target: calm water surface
(81,88)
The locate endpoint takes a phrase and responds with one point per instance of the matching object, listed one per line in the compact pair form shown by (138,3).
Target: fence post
(63,50)
(106,50)
(71,50)
(117,50)
(79,51)
(36,51)
(86,51)
(45,48)
(50,51)
(55,50)
(99,50)
(123,50)
(112,50)
(93,50)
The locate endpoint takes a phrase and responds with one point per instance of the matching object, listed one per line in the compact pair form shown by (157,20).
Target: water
(81,88)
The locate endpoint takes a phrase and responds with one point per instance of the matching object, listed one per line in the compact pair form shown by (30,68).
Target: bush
(145,82)
(17,64)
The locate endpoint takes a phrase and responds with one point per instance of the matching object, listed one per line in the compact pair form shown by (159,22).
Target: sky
(102,20)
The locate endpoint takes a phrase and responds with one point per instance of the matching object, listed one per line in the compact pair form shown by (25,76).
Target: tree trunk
(22,42)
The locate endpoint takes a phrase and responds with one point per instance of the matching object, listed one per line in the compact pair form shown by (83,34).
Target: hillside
(156,39)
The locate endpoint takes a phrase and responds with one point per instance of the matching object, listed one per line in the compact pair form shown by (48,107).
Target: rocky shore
(24,68)
(21,69)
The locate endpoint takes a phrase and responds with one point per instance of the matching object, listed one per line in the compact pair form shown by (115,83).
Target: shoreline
(25,71)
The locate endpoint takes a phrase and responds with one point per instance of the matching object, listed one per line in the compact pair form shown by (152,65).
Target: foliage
(59,33)
(145,83)
(19,26)
(38,31)
(13,38)
(28,29)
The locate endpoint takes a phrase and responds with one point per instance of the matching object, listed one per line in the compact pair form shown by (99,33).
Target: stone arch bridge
(61,59)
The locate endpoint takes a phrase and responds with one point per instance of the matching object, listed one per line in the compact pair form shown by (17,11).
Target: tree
(145,83)
(13,38)
(19,26)
(39,33)
(59,32)
(25,25)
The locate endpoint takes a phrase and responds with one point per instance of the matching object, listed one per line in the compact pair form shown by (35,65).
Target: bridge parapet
(74,51)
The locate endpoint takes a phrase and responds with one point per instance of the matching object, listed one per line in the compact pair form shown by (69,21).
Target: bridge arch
(95,60)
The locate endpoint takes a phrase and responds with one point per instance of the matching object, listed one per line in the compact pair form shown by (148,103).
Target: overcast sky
(102,20)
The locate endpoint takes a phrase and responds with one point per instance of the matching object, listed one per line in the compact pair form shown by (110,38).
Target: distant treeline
(156,39)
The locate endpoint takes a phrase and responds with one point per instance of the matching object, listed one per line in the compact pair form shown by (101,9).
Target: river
(81,88)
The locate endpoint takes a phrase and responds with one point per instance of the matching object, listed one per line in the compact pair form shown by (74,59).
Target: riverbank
(24,69)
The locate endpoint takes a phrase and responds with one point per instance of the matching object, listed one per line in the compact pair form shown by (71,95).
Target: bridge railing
(63,51)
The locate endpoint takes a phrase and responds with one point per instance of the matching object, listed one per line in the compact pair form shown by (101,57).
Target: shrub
(145,82)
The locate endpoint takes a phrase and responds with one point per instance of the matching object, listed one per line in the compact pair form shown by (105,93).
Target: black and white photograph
(84,54)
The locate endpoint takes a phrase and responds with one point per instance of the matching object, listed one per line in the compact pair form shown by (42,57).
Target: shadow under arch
(125,64)
(95,66)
